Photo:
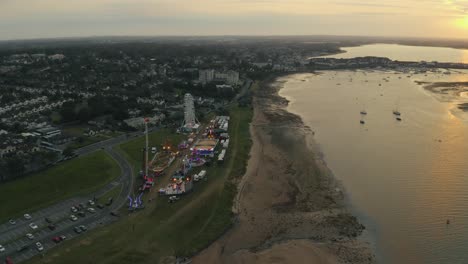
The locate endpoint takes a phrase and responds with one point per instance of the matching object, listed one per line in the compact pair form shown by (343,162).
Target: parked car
(23,248)
(83,228)
(30,236)
(51,227)
(57,239)
(33,226)
(173,199)
(91,202)
(39,246)
(77,229)
(8,260)
(12,222)
(2,248)
(27,216)
(74,209)
(200,176)
(73,218)
(91,210)
(114,213)
(63,237)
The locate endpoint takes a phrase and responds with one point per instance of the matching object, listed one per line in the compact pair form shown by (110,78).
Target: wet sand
(289,207)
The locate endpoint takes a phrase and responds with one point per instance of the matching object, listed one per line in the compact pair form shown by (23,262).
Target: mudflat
(289,207)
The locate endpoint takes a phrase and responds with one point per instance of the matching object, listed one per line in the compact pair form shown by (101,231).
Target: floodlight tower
(146,147)
(190,119)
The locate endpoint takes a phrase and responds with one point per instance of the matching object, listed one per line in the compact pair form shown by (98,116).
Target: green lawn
(133,148)
(164,229)
(70,178)
(78,130)
(74,131)
(113,193)
(87,141)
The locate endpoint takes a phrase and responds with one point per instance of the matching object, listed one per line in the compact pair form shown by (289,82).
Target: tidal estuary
(407,180)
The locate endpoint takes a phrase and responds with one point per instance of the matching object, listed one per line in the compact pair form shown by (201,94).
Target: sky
(26,19)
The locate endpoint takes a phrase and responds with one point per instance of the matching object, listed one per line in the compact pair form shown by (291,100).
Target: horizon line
(464,39)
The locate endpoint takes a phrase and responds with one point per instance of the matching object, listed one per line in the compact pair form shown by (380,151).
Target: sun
(463,22)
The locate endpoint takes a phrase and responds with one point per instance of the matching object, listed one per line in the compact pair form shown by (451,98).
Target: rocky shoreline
(290,208)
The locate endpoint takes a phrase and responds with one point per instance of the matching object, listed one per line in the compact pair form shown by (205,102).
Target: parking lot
(19,247)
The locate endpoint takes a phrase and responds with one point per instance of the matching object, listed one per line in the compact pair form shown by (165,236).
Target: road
(110,142)
(13,237)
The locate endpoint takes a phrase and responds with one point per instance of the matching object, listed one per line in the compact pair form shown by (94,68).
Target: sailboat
(395,111)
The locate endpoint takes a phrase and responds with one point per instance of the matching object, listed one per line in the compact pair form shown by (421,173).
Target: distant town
(57,99)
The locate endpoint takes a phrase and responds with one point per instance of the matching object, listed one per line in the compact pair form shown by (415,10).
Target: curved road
(13,237)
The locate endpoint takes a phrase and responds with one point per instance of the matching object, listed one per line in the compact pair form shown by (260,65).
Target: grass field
(70,178)
(78,130)
(113,193)
(164,229)
(133,149)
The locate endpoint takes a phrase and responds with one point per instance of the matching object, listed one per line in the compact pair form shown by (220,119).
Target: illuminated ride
(135,202)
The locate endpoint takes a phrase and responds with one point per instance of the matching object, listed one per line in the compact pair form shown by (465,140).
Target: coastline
(289,208)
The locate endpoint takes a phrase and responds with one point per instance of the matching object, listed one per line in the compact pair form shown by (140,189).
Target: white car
(30,236)
(33,226)
(173,199)
(91,202)
(91,210)
(2,249)
(39,246)
(12,222)
(73,218)
(74,209)
(27,216)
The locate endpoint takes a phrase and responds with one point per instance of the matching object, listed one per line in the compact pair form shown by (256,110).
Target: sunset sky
(69,18)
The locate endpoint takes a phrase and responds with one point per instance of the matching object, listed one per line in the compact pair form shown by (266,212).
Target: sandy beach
(289,207)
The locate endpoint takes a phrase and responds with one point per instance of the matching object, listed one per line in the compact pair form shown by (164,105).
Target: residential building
(206,76)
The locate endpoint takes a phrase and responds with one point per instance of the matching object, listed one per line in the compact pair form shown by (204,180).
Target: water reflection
(407,177)
(405,53)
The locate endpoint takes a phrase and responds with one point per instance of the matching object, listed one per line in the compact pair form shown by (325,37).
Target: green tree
(68,112)
(15,166)
(67,152)
(84,114)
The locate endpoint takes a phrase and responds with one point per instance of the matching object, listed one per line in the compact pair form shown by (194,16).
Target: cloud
(25,18)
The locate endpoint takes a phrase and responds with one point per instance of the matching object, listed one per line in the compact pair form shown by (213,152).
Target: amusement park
(185,162)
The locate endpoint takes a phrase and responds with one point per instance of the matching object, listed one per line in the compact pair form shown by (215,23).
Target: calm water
(405,53)
(405,179)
